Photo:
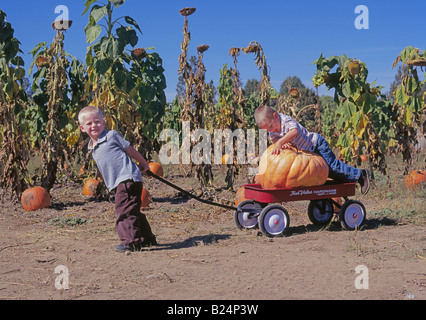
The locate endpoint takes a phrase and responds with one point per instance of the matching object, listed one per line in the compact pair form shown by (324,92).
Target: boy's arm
(274,139)
(284,141)
(134,154)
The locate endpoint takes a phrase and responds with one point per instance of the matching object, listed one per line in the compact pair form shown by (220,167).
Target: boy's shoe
(123,248)
(364,181)
(152,241)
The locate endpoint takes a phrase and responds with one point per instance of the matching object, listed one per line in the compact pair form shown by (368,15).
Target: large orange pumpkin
(291,168)
(415,178)
(146,198)
(35,198)
(156,168)
(92,188)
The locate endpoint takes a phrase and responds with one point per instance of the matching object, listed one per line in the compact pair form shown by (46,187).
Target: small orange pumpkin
(145,198)
(239,196)
(225,158)
(35,198)
(92,188)
(339,201)
(415,178)
(363,158)
(291,168)
(156,168)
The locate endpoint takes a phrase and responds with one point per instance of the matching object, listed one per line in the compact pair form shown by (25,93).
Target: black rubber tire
(320,212)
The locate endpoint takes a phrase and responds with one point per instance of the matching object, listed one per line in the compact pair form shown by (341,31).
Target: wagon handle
(151,174)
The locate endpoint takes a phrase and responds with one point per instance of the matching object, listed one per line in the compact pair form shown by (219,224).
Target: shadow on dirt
(335,226)
(192,242)
(180,198)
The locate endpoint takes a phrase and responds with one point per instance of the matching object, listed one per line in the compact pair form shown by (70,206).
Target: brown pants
(131,225)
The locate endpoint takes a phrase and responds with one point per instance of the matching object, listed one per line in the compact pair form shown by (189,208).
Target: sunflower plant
(363,113)
(125,82)
(410,102)
(13,146)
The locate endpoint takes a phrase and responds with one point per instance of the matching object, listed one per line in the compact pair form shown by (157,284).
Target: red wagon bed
(328,190)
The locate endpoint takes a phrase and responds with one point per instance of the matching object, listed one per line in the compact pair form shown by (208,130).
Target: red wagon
(262,208)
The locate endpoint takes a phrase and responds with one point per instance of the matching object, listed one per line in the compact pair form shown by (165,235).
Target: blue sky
(292,33)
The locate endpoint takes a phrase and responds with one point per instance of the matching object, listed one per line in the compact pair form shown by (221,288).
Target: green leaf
(128,35)
(88,4)
(11,89)
(98,12)
(406,53)
(348,109)
(344,139)
(131,21)
(18,61)
(342,59)
(411,85)
(19,73)
(353,89)
(361,125)
(407,117)
(92,33)
(400,97)
(37,48)
(120,79)
(102,65)
(319,61)
(117,3)
(112,47)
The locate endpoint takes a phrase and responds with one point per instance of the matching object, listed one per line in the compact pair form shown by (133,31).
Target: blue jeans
(339,170)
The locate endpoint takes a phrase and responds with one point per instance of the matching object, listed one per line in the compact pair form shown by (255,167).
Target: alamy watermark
(361,281)
(62,281)
(175,152)
(362,20)
(62,22)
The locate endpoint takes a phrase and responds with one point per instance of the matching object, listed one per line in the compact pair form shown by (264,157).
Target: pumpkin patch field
(203,255)
(57,219)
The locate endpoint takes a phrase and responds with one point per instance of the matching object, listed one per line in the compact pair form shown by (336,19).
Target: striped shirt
(305,140)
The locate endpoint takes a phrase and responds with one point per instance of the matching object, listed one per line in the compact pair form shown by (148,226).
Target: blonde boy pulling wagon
(113,156)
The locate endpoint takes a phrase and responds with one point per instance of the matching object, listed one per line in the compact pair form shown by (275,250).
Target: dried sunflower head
(354,68)
(234,52)
(251,48)
(139,53)
(203,47)
(62,25)
(42,61)
(417,63)
(294,93)
(187,11)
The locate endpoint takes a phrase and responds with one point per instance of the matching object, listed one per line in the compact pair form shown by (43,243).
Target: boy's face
(93,125)
(273,125)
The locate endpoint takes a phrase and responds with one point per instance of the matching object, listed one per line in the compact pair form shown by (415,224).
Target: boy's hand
(143,168)
(276,151)
(279,147)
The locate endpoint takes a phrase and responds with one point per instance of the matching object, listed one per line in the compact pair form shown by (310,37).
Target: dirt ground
(201,254)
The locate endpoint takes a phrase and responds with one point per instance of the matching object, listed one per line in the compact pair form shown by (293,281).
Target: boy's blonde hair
(88,110)
(263,115)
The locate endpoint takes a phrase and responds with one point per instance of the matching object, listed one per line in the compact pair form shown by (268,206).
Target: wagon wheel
(320,212)
(245,216)
(352,215)
(274,220)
